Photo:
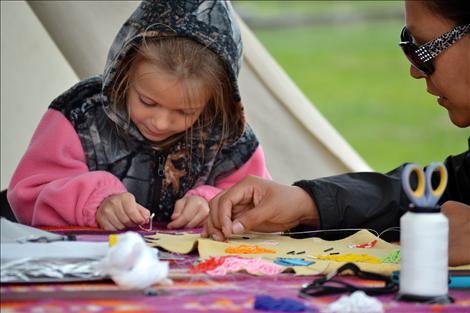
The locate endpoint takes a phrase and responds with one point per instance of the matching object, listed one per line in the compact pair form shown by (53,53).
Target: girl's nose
(161,121)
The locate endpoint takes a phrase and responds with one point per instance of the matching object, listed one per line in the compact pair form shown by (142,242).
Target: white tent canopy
(47,46)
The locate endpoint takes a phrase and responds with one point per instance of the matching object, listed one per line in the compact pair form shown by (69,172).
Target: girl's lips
(155,136)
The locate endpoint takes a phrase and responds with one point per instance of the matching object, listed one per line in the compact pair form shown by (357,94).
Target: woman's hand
(121,211)
(190,212)
(260,205)
(459,232)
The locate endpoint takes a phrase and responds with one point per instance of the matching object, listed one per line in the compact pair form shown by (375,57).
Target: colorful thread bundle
(366,245)
(268,303)
(207,265)
(229,264)
(255,266)
(350,257)
(292,262)
(247,249)
(393,257)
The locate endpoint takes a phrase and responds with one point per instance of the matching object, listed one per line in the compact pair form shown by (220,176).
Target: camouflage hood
(210,23)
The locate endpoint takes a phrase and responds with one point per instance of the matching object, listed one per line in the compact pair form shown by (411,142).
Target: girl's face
(450,82)
(157,103)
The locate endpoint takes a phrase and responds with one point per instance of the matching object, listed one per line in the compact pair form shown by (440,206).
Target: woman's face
(450,82)
(157,103)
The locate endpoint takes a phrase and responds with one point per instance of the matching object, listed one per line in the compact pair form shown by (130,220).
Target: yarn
(247,249)
(256,266)
(268,303)
(207,265)
(393,257)
(350,257)
(366,245)
(292,262)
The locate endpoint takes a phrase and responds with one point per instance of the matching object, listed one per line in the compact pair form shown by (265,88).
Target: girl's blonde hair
(196,67)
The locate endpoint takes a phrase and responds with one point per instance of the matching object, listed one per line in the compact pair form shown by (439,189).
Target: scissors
(424,195)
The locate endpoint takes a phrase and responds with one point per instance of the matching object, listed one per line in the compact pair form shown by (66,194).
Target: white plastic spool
(424,255)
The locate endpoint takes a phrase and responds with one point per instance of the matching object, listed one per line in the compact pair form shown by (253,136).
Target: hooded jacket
(94,151)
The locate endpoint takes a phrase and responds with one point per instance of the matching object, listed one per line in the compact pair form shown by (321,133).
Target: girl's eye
(147,102)
(187,113)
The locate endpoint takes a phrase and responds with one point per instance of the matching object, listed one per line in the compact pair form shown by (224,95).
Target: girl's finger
(144,213)
(105,224)
(179,222)
(199,218)
(114,221)
(123,217)
(179,207)
(134,214)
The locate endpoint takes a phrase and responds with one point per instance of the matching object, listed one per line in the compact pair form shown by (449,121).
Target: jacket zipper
(160,171)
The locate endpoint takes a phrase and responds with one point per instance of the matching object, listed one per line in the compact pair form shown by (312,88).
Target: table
(189,293)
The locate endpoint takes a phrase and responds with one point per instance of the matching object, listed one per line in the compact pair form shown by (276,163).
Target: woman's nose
(415,73)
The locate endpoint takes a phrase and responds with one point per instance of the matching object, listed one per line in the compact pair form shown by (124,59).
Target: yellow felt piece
(182,243)
(310,247)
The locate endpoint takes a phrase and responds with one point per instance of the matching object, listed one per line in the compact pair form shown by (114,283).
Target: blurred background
(344,56)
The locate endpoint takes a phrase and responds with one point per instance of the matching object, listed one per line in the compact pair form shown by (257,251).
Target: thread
(424,254)
(248,249)
(289,233)
(393,257)
(256,266)
(350,257)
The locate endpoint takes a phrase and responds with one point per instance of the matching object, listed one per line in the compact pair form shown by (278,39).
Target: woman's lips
(441,100)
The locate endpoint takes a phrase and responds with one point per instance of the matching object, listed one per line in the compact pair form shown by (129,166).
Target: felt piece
(207,248)
(182,243)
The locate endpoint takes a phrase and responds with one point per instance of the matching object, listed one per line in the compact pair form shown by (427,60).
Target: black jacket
(377,201)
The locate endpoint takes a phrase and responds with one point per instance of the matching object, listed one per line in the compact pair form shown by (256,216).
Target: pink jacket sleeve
(52,184)
(254,166)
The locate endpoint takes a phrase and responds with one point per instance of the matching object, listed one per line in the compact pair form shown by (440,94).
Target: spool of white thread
(424,254)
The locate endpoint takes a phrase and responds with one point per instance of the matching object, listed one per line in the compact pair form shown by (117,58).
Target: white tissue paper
(133,264)
(357,302)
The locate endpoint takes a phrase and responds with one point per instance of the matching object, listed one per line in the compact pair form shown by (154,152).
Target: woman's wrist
(308,213)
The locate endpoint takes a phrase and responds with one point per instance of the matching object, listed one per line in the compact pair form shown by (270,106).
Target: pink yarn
(254,266)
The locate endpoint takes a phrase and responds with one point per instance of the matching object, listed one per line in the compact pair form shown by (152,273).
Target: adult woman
(374,200)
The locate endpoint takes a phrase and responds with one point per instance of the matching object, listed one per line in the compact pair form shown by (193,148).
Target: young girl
(162,131)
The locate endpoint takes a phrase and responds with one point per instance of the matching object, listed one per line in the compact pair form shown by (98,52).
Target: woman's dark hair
(454,10)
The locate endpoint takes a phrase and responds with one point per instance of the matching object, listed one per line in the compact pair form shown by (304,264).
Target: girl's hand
(189,212)
(121,211)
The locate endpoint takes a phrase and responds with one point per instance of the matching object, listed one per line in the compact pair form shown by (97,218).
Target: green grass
(266,8)
(358,78)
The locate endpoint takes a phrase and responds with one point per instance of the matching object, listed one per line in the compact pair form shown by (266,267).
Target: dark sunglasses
(421,56)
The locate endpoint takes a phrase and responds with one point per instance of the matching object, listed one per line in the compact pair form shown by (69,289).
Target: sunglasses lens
(409,50)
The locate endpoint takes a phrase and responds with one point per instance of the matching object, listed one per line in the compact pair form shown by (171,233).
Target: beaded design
(433,48)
